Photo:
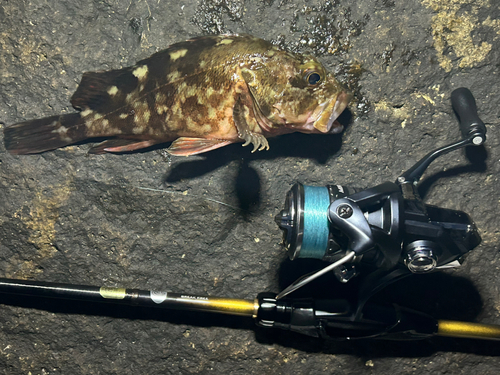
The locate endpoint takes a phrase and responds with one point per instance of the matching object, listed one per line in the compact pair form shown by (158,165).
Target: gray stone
(69,217)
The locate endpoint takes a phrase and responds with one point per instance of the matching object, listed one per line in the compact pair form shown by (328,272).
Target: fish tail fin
(49,133)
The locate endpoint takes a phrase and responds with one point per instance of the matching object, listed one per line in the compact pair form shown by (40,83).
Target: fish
(200,95)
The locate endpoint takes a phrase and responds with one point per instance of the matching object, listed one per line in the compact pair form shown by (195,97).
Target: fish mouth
(327,122)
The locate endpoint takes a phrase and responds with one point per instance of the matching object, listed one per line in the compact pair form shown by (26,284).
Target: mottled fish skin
(202,94)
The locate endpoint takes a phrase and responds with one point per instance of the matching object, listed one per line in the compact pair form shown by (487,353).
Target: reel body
(386,226)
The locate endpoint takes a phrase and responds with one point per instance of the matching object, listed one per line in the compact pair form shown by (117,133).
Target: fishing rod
(381,235)
(313,317)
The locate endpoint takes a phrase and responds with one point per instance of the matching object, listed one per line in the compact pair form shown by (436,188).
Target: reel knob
(420,256)
(465,107)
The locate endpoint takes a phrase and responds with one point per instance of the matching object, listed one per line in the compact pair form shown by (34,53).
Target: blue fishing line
(316,225)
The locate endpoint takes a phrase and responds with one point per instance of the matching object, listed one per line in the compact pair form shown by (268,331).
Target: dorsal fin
(94,89)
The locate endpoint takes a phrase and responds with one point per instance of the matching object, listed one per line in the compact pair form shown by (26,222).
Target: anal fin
(186,146)
(121,145)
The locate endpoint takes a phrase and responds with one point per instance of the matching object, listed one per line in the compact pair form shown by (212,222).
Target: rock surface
(69,217)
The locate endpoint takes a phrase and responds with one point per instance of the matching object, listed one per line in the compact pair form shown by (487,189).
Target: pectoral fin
(245,119)
(185,146)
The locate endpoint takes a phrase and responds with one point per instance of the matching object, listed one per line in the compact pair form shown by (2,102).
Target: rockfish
(200,94)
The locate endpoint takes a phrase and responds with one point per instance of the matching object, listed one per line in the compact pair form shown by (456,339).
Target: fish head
(299,95)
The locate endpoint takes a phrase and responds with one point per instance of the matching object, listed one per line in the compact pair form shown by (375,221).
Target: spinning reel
(385,228)
(385,232)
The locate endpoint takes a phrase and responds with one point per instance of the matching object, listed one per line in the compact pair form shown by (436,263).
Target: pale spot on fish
(97,116)
(61,130)
(160,97)
(178,54)
(177,110)
(174,75)
(86,112)
(146,115)
(191,91)
(123,115)
(225,41)
(112,90)
(191,125)
(141,72)
(141,87)
(206,128)
(174,125)
(203,63)
(105,122)
(161,109)
(212,113)
(129,97)
(225,126)
(209,91)
(166,122)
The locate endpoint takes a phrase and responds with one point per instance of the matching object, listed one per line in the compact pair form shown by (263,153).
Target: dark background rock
(69,217)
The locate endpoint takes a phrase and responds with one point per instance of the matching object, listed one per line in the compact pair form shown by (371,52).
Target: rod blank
(135,297)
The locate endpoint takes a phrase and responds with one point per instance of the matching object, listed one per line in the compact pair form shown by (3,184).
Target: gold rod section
(468,330)
(231,306)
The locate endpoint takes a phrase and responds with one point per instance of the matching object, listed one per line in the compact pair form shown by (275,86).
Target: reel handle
(471,125)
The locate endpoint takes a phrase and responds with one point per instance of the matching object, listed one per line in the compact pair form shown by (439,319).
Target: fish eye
(313,78)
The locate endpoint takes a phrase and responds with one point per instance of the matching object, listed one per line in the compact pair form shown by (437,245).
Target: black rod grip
(471,125)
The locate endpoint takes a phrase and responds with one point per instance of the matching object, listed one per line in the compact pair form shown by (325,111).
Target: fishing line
(190,195)
(316,225)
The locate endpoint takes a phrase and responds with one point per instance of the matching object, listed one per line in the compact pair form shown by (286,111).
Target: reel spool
(305,223)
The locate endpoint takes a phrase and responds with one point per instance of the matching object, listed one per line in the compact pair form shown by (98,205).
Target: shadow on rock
(248,189)
(316,147)
(426,185)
